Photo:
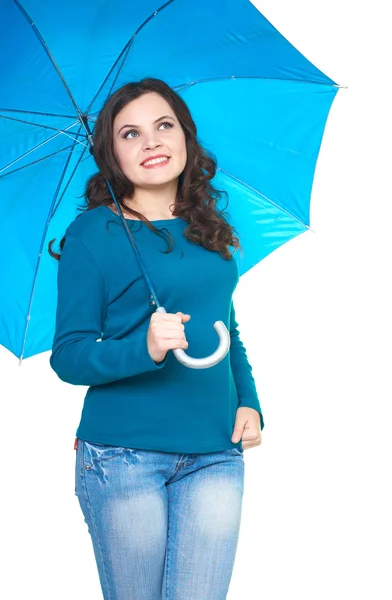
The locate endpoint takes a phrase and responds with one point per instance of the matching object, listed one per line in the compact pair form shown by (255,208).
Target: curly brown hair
(196,197)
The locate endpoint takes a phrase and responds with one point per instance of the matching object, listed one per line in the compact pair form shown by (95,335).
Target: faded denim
(163,525)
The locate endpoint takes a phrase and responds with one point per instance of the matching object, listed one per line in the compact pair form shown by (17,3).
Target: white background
(315,319)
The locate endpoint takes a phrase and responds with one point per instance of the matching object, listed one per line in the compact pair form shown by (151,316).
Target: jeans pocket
(97,453)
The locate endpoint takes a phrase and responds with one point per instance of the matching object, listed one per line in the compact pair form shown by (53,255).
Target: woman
(159,464)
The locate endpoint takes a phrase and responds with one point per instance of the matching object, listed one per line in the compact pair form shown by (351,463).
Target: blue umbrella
(59,63)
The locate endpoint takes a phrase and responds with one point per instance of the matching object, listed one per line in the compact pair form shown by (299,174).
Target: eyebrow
(156,121)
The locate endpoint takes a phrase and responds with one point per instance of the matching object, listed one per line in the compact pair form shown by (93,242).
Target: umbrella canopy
(259,105)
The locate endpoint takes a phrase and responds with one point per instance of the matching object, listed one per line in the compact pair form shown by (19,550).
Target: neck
(154,203)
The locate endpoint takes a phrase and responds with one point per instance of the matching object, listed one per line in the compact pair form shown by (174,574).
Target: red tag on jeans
(76,444)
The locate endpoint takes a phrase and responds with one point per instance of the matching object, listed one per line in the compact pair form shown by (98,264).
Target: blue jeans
(164,525)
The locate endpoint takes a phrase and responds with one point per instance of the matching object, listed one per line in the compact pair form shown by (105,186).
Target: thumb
(238,430)
(183,315)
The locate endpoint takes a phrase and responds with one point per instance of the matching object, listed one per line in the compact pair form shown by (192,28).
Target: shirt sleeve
(242,371)
(77,357)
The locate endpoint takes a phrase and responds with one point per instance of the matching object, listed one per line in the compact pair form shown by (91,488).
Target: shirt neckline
(173,221)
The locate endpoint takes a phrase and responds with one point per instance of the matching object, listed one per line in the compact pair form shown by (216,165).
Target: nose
(151,142)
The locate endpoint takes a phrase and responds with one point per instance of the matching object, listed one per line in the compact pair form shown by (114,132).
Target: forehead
(144,109)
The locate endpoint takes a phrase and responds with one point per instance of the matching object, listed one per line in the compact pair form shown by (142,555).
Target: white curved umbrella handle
(208,361)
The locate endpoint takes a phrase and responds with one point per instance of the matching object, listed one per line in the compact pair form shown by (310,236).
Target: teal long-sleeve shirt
(102,319)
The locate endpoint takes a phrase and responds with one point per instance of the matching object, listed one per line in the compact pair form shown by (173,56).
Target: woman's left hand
(247,427)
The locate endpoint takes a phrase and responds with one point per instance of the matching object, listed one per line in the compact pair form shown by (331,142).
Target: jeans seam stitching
(167,555)
(96,531)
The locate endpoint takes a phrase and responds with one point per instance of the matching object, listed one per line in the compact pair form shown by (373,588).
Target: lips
(159,165)
(154,157)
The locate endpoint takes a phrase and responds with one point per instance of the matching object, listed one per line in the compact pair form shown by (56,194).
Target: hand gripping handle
(208,361)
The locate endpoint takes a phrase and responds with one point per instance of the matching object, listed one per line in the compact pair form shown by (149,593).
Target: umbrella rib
(41,248)
(39,146)
(124,52)
(36,112)
(265,197)
(69,180)
(127,47)
(44,126)
(37,161)
(208,79)
(51,58)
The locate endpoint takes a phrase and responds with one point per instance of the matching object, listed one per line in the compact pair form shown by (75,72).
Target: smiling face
(147,127)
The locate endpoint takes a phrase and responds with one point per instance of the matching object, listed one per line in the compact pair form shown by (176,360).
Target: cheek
(126,158)
(181,149)
(184,159)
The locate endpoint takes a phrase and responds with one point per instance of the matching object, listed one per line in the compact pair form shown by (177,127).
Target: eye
(167,123)
(126,134)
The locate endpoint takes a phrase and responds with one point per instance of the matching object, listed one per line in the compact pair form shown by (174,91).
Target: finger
(176,343)
(166,318)
(174,326)
(237,433)
(170,326)
(167,336)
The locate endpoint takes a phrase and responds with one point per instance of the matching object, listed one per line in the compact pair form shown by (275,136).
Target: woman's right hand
(166,332)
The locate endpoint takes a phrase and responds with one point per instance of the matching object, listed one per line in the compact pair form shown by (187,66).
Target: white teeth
(155,161)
